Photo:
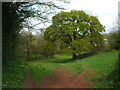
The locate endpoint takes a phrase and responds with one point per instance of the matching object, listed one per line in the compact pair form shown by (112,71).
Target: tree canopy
(14,13)
(80,31)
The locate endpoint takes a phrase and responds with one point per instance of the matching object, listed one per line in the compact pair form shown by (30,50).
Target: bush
(113,40)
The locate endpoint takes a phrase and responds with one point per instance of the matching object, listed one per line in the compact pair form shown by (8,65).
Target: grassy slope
(103,64)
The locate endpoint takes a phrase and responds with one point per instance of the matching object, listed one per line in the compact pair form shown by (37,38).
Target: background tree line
(13,16)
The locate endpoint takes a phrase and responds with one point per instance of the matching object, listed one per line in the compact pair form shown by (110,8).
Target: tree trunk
(27,51)
(36,56)
(74,56)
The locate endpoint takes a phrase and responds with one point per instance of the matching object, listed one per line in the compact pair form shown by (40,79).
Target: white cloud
(105,10)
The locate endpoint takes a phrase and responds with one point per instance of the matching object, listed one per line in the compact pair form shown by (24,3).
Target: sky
(105,10)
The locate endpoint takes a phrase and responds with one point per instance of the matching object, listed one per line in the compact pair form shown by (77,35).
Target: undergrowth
(13,75)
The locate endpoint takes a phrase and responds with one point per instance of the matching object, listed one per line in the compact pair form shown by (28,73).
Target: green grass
(103,64)
(38,71)
(13,75)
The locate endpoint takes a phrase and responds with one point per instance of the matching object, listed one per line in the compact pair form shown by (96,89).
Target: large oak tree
(80,31)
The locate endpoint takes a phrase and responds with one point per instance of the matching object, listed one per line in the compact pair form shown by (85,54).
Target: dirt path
(29,81)
(61,79)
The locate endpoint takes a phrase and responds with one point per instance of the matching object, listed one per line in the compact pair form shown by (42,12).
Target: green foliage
(13,75)
(34,45)
(11,25)
(114,79)
(114,40)
(30,45)
(48,49)
(77,29)
(13,16)
(9,19)
(114,43)
(32,58)
(118,62)
(80,47)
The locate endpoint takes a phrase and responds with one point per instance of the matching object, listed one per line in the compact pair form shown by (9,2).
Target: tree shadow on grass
(66,60)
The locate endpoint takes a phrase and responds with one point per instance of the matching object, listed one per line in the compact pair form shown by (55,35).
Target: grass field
(103,64)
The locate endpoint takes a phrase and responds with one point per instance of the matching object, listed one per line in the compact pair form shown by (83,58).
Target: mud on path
(61,79)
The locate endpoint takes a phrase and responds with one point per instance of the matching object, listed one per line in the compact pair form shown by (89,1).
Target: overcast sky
(105,10)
